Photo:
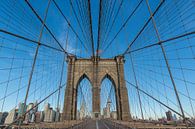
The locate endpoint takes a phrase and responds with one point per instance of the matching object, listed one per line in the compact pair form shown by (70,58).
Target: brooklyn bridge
(97,64)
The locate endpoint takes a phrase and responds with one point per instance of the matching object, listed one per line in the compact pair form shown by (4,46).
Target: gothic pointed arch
(110,78)
(105,105)
(83,76)
(83,103)
(95,70)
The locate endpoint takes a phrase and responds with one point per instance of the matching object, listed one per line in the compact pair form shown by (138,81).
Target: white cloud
(71,40)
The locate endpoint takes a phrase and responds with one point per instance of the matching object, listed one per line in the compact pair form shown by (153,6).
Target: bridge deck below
(101,124)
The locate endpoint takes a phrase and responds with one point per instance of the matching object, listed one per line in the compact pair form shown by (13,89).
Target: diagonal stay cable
(108,20)
(161,42)
(30,40)
(70,25)
(39,18)
(152,97)
(106,8)
(113,22)
(79,23)
(142,29)
(156,100)
(6,127)
(33,41)
(124,24)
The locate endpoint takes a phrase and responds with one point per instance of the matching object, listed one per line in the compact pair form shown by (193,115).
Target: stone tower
(95,70)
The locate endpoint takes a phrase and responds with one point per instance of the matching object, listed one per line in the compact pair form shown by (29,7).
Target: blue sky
(174,18)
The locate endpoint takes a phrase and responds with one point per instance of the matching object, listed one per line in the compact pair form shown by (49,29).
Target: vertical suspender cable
(140,103)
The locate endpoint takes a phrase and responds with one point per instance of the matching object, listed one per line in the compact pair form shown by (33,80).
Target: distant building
(42,116)
(82,111)
(174,117)
(39,117)
(32,119)
(162,120)
(21,109)
(49,115)
(106,110)
(113,115)
(78,115)
(11,116)
(3,116)
(31,115)
(28,116)
(57,115)
(61,118)
(36,108)
(46,106)
(169,116)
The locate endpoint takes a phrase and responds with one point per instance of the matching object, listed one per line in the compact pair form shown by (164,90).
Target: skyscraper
(3,116)
(57,115)
(82,111)
(169,116)
(28,117)
(11,116)
(106,110)
(46,106)
(49,115)
(21,109)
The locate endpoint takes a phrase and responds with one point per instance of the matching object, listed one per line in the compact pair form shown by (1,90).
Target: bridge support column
(124,111)
(70,93)
(96,102)
(96,89)
(118,106)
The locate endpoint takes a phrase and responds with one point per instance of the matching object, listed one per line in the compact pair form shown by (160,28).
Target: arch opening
(108,102)
(84,98)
